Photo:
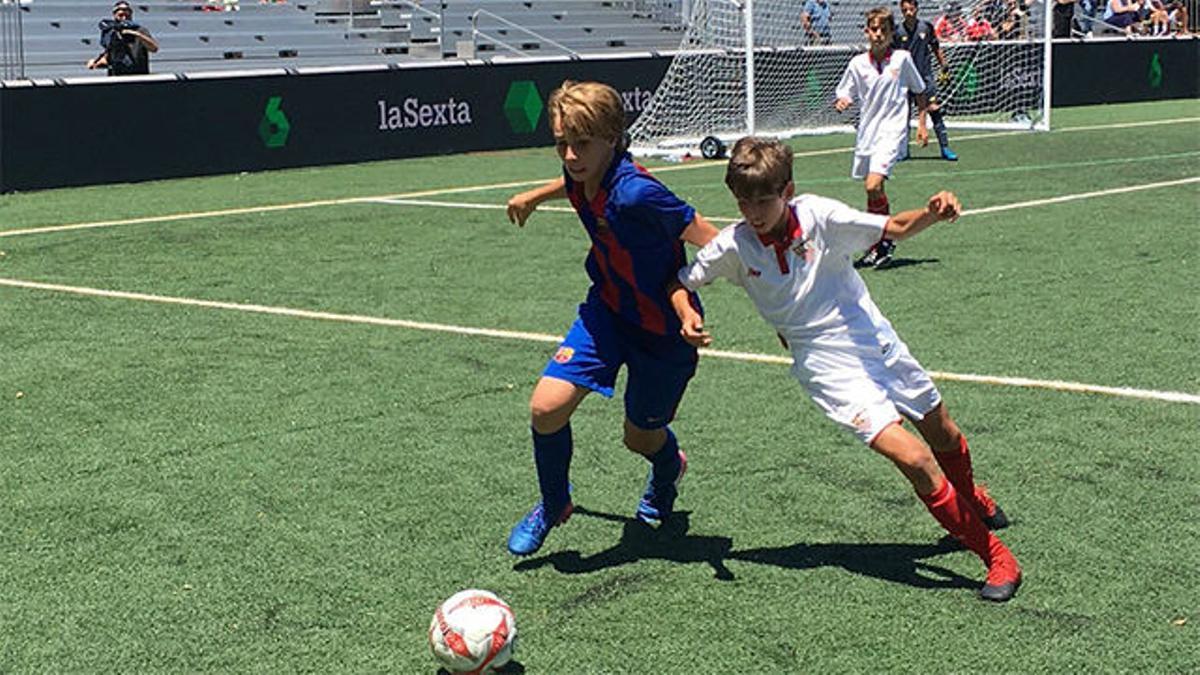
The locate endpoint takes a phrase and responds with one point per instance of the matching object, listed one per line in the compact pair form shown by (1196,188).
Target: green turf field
(239,487)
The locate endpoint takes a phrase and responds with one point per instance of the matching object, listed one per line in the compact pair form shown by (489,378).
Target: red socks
(957,467)
(880,206)
(960,519)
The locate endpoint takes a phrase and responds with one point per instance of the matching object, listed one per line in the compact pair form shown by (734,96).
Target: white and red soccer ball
(473,633)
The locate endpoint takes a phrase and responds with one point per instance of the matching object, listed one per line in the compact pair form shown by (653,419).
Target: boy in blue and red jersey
(637,228)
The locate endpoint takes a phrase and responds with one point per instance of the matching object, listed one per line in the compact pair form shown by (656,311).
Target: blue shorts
(599,343)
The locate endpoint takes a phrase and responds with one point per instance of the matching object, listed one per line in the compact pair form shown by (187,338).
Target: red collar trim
(781,246)
(793,232)
(882,62)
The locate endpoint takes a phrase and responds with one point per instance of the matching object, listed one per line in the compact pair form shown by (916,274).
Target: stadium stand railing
(200,35)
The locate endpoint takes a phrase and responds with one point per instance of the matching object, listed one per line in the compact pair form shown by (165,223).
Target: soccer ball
(474,632)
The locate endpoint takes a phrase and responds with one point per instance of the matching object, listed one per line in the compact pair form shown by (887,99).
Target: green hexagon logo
(523,106)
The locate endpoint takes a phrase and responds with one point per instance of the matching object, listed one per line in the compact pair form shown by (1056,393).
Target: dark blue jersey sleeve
(650,202)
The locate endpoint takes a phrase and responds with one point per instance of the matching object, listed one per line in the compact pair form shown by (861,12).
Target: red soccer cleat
(1004,574)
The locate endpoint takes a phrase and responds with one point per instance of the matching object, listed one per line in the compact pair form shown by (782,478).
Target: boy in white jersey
(881,80)
(792,255)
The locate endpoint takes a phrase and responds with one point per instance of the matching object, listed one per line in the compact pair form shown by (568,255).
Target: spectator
(1063,13)
(979,28)
(127,46)
(1177,17)
(1085,17)
(1011,24)
(951,26)
(1121,14)
(815,19)
(1158,18)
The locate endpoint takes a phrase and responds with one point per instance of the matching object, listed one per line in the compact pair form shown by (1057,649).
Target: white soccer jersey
(846,354)
(881,90)
(806,288)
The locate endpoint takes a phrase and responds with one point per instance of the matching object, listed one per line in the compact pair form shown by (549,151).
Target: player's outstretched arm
(692,330)
(699,232)
(521,205)
(941,206)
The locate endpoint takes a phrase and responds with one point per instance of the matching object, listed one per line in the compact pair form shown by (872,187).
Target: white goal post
(750,67)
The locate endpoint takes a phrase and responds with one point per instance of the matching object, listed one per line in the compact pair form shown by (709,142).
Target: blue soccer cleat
(658,502)
(529,534)
(949,155)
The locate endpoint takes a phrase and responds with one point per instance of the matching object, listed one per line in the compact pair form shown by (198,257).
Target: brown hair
(588,109)
(882,15)
(758,166)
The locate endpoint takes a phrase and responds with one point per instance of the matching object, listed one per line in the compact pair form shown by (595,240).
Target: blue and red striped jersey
(634,223)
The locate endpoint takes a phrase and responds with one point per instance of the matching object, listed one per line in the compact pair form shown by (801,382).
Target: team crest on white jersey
(803,248)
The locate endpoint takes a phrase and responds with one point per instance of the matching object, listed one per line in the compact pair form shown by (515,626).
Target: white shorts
(865,389)
(881,161)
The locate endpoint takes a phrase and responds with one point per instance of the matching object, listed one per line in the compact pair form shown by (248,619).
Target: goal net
(750,67)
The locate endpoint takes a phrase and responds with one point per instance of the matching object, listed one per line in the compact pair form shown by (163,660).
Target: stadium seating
(199,35)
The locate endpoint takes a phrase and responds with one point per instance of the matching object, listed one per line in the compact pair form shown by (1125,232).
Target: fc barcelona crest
(563,354)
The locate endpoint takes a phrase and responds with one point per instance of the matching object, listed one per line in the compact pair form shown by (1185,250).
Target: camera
(115,43)
(110,28)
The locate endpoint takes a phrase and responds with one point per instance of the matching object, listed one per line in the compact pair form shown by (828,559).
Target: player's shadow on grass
(639,541)
(898,563)
(898,262)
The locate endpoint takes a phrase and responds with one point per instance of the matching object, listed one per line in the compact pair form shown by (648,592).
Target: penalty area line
(1055,385)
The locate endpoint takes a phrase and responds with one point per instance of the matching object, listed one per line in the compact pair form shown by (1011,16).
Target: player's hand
(943,77)
(922,136)
(841,104)
(945,206)
(692,330)
(519,208)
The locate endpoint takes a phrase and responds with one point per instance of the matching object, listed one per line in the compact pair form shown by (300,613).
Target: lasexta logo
(274,127)
(1155,76)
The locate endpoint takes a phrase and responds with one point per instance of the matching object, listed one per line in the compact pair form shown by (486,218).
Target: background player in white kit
(792,255)
(880,80)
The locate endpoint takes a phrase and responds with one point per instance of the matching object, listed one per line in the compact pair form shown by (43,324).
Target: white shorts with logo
(865,389)
(881,161)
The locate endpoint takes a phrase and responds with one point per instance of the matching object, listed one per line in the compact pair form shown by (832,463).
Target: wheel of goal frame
(712,148)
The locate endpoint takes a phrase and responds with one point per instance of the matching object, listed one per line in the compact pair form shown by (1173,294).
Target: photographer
(127,46)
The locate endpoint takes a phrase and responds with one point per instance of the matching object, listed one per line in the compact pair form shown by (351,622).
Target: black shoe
(868,259)
(993,515)
(883,253)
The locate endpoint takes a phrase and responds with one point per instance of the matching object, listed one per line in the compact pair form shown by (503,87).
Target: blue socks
(552,455)
(939,129)
(666,460)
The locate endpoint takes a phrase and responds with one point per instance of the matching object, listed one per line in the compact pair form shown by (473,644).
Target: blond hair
(758,166)
(588,109)
(882,15)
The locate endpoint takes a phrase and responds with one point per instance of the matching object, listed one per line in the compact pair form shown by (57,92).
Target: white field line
(1081,195)
(968,212)
(193,215)
(1127,392)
